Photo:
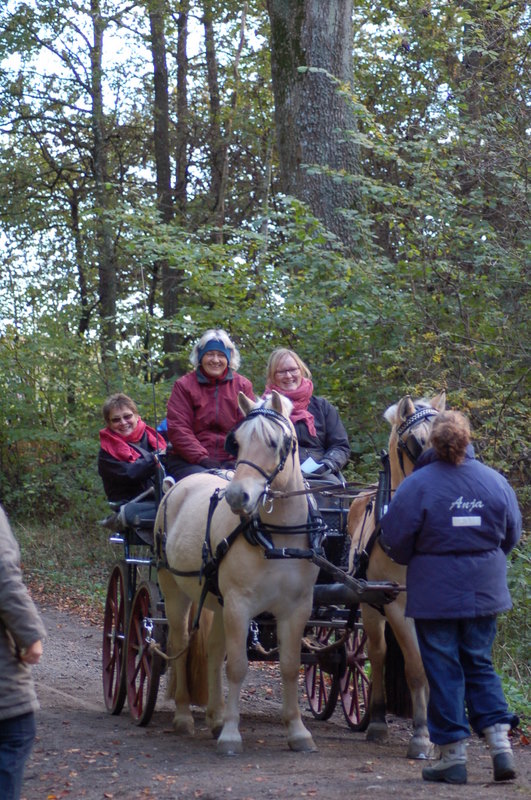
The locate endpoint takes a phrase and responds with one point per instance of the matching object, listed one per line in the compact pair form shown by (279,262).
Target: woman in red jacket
(203,406)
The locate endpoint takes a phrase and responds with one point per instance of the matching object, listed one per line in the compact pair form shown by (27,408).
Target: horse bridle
(410,422)
(288,446)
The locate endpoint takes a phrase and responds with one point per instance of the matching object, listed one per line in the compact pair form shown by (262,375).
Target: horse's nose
(237,498)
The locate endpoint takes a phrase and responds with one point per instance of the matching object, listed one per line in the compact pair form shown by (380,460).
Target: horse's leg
(177,607)
(236,625)
(289,633)
(216,656)
(403,627)
(374,627)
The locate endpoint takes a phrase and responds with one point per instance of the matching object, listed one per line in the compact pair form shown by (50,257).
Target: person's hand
(31,654)
(321,469)
(325,467)
(210,463)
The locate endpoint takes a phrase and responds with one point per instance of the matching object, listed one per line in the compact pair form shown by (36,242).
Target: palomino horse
(410,424)
(229,536)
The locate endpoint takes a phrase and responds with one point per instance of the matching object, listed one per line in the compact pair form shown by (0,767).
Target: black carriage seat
(333,508)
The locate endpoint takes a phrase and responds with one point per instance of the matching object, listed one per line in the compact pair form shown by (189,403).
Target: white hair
(222,336)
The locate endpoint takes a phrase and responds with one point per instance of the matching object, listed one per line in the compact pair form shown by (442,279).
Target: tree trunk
(216,143)
(171,279)
(106,266)
(312,117)
(181,146)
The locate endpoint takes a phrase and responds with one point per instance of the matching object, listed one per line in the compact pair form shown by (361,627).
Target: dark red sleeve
(180,415)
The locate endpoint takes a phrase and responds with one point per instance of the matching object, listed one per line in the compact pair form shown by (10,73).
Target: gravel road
(83,752)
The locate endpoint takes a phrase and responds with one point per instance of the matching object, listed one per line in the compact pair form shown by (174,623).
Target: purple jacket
(453,526)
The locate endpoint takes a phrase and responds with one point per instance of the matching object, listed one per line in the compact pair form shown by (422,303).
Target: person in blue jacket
(453,522)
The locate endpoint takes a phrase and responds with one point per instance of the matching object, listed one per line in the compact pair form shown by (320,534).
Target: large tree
(312,71)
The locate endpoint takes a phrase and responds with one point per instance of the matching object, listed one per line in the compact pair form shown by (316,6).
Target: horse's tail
(196,658)
(397,692)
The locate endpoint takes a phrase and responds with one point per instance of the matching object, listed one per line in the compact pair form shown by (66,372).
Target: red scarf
(118,446)
(300,397)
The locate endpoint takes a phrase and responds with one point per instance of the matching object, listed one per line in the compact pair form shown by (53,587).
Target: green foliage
(432,294)
(69,563)
(511,650)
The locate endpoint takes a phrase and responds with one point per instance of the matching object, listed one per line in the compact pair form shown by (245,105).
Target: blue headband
(213,344)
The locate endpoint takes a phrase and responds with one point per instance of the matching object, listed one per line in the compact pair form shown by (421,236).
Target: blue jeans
(16,740)
(456,654)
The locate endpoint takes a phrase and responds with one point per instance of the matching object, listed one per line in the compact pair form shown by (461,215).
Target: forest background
(346,179)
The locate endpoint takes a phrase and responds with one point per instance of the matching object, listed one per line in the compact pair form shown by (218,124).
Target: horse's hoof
(183,726)
(377,732)
(232,748)
(216,731)
(302,744)
(420,750)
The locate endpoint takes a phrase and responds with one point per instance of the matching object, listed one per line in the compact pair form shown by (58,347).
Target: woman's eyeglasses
(283,372)
(125,418)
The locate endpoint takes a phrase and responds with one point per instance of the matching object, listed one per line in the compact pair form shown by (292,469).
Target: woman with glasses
(128,463)
(203,406)
(323,441)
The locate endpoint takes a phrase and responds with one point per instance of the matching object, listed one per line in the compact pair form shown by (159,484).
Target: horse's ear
(246,405)
(276,402)
(405,408)
(439,401)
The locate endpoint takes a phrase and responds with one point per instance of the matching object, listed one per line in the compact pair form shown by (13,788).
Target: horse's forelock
(423,403)
(287,405)
(264,429)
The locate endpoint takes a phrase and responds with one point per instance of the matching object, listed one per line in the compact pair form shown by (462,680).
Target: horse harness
(411,445)
(255,531)
(382,498)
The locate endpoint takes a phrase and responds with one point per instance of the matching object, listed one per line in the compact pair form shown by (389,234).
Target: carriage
(333,654)
(137,635)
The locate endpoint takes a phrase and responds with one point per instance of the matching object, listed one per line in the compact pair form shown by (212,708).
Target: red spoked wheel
(354,682)
(115,620)
(143,667)
(321,679)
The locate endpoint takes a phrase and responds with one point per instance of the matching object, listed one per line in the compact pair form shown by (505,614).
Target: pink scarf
(118,446)
(300,397)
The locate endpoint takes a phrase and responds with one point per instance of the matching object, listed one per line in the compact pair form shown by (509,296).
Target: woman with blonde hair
(323,441)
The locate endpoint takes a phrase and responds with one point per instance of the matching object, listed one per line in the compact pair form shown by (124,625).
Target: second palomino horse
(410,424)
(216,535)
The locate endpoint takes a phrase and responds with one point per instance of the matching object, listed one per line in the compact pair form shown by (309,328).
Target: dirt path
(83,752)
